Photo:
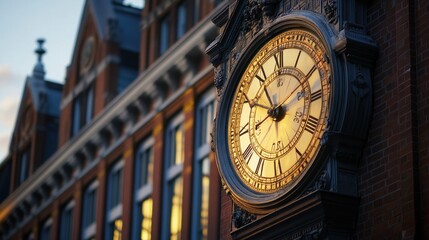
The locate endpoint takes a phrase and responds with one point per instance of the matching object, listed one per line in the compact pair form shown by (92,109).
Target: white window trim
(144,192)
(171,172)
(201,152)
(90,230)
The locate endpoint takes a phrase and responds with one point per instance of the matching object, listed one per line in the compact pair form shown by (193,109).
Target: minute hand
(284,100)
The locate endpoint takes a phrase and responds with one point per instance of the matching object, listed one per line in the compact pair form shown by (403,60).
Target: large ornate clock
(295,99)
(278,112)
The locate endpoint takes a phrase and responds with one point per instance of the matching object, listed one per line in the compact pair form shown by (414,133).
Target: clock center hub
(277,113)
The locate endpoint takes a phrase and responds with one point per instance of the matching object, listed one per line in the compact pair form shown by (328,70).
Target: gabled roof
(113,21)
(45,97)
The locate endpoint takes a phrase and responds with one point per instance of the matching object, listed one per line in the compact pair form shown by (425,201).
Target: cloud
(5,74)
(9,79)
(8,109)
(4,146)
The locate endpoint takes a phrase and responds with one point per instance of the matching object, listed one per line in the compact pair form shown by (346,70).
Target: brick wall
(422,84)
(389,182)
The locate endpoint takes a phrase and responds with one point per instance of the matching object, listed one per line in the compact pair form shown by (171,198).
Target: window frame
(144,191)
(171,172)
(62,234)
(164,21)
(201,152)
(89,229)
(113,213)
(47,224)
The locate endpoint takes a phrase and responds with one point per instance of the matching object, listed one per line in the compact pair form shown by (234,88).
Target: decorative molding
(269,7)
(330,10)
(212,136)
(321,183)
(219,79)
(241,217)
(360,86)
(252,17)
(316,231)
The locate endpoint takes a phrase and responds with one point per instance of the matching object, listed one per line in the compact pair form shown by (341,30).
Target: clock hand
(259,123)
(253,103)
(268,96)
(294,90)
(267,132)
(260,105)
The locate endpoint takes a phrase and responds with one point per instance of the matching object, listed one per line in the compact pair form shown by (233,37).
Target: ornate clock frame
(325,199)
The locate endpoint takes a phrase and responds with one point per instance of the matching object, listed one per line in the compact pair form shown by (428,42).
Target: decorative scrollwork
(212,136)
(252,16)
(219,80)
(322,183)
(269,7)
(330,10)
(241,217)
(360,86)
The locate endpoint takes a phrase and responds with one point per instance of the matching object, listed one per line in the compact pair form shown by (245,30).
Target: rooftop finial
(39,69)
(40,51)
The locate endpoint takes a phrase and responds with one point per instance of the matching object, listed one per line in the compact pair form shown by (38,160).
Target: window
(126,76)
(181,19)
(114,202)
(66,221)
(83,108)
(143,181)
(89,104)
(204,115)
(196,10)
(175,156)
(29,236)
(45,230)
(89,210)
(76,125)
(164,35)
(24,165)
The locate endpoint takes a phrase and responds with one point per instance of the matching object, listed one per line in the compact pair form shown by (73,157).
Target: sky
(22,22)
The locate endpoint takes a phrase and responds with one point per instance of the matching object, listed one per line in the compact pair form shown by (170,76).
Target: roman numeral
(264,76)
(260,167)
(311,124)
(298,154)
(277,167)
(247,155)
(316,95)
(279,59)
(297,58)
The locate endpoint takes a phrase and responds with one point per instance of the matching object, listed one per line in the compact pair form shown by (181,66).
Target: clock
(87,55)
(273,116)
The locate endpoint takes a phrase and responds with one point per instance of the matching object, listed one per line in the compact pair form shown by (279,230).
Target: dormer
(36,123)
(105,61)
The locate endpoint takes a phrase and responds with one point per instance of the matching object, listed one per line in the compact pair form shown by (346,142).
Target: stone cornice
(144,85)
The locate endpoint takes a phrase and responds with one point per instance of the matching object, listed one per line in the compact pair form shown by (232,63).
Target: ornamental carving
(330,10)
(322,183)
(241,217)
(269,7)
(360,86)
(252,16)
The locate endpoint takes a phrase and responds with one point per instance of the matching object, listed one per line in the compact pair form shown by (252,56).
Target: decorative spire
(39,69)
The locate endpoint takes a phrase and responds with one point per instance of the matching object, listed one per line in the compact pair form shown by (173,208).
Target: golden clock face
(279,111)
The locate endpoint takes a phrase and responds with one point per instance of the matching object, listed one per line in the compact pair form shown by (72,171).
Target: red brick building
(122,150)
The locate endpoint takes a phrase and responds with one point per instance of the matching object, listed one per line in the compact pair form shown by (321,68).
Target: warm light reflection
(117,229)
(146,219)
(176,209)
(179,151)
(205,182)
